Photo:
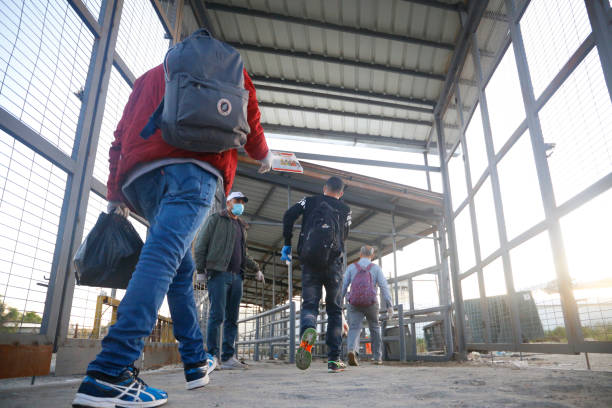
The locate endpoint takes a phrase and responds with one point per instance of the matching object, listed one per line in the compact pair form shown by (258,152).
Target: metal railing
(277,331)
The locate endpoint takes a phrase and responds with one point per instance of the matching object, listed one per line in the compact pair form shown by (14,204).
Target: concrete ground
(273,384)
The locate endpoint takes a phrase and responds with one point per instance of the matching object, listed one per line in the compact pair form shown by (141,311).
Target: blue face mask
(238,209)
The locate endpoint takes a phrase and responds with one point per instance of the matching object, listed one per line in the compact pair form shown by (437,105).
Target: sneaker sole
(335,371)
(303,357)
(352,359)
(201,382)
(87,401)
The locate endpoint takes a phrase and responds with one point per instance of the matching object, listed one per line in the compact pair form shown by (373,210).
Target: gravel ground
(271,384)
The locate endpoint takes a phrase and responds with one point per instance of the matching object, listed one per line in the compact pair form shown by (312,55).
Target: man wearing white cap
(221,259)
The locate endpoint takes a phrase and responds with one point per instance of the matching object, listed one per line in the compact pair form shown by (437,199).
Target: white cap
(237,194)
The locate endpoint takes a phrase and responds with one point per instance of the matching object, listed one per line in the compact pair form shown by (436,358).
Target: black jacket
(305,207)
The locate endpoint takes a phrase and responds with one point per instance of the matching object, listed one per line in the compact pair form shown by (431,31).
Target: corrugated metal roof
(381,47)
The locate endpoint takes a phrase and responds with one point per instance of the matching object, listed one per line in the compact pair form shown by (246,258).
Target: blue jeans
(175,199)
(312,282)
(225,294)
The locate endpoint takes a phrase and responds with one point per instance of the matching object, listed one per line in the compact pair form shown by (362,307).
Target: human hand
(286,253)
(118,208)
(259,276)
(266,163)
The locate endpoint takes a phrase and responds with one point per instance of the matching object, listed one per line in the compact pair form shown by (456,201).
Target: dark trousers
(313,280)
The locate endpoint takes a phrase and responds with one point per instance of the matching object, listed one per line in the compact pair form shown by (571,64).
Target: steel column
(394,259)
(402,332)
(61,285)
(257,328)
(413,342)
(570,310)
(451,254)
(484,305)
(497,198)
(274,280)
(291,331)
(599,14)
(290,262)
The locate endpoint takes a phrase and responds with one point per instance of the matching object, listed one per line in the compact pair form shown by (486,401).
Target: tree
(12,315)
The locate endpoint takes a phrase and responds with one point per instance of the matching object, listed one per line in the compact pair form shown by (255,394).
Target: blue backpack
(205,104)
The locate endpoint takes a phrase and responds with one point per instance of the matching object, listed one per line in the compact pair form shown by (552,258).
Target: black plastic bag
(108,256)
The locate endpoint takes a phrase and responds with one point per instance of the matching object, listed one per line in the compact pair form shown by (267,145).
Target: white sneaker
(212,364)
(234,364)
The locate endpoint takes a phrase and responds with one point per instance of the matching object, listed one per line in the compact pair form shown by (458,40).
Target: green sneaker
(335,366)
(303,357)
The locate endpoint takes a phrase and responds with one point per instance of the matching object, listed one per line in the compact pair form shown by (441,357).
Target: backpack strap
(153,123)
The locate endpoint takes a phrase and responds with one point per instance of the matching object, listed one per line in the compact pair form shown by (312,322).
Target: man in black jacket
(325,226)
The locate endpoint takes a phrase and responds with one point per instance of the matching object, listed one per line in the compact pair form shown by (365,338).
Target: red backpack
(363,292)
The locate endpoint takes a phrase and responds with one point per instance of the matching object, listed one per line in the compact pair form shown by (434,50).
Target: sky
(577,119)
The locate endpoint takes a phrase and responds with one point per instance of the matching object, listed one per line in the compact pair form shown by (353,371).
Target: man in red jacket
(173,189)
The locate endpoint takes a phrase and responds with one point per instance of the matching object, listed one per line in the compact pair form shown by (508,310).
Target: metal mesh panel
(578,121)
(425,289)
(44,57)
(586,235)
(519,186)
(474,137)
(552,31)
(416,256)
(94,7)
(471,295)
(504,99)
(534,274)
(31,196)
(141,41)
(493,273)
(465,242)
(116,98)
(485,216)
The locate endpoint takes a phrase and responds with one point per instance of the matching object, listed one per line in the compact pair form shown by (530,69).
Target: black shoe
(352,358)
(196,375)
(335,366)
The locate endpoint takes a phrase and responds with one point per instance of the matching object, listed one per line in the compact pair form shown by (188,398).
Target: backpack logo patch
(224,107)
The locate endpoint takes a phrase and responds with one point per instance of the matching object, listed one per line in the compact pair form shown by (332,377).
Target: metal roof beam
(337,60)
(475,13)
(343,98)
(364,162)
(264,201)
(392,142)
(439,4)
(329,26)
(356,115)
(258,79)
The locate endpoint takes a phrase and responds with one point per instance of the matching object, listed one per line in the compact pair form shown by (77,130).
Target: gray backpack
(205,104)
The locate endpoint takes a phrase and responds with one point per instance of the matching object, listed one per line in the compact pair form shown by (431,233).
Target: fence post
(402,332)
(291,331)
(257,327)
